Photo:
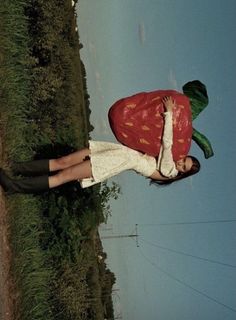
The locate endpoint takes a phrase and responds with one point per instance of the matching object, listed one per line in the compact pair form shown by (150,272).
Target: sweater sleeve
(166,164)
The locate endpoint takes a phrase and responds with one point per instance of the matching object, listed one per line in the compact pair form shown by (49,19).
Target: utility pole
(120,236)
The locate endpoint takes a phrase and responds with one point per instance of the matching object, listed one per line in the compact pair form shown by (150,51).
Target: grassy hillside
(45,113)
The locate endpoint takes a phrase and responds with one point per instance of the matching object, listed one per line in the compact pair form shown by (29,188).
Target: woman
(101,161)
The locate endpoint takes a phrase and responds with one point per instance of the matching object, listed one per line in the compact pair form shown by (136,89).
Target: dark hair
(181,175)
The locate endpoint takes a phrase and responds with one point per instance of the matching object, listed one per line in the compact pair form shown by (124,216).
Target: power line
(186,284)
(189,255)
(186,223)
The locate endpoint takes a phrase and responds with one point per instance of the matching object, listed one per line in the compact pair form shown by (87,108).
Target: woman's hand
(169,103)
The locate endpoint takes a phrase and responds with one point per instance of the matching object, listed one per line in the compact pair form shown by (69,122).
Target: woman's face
(184,165)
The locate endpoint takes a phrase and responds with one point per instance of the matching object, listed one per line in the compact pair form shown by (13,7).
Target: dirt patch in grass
(6,292)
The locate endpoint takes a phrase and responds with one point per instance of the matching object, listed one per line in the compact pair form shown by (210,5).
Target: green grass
(31,271)
(14,74)
(44,113)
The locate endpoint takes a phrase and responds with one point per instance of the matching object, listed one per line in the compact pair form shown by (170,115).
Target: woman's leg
(44,166)
(43,183)
(69,160)
(79,171)
(24,185)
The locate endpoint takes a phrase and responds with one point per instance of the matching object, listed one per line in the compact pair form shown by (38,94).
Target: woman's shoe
(25,185)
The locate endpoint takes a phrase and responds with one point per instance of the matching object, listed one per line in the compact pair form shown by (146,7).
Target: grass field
(45,113)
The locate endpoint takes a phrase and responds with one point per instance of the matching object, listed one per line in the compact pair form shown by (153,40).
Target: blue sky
(132,46)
